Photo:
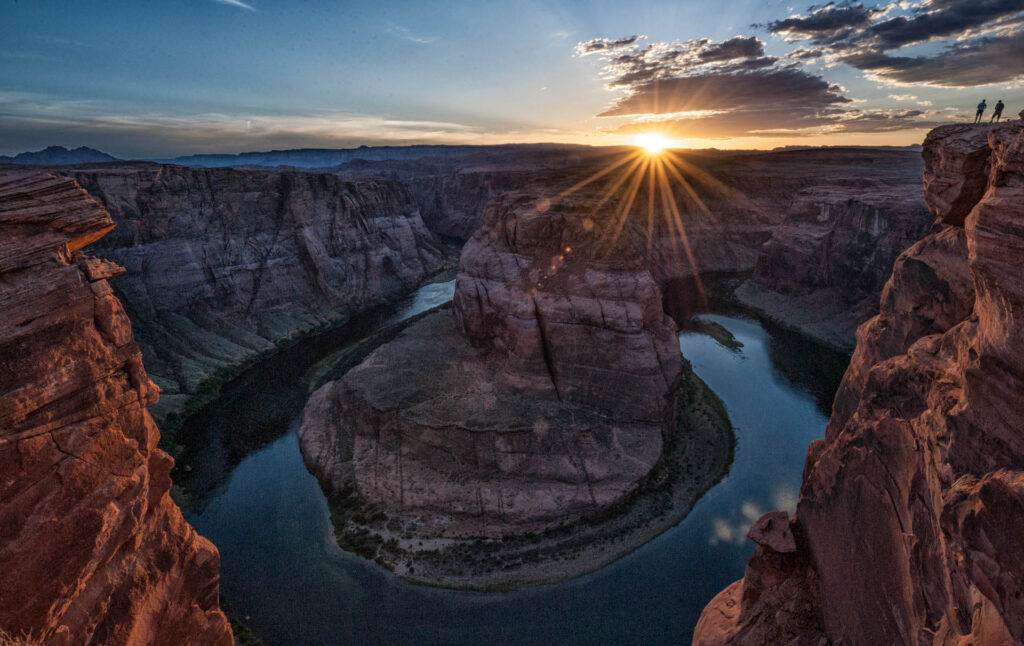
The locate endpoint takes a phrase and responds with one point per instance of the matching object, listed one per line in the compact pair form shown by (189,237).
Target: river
(282,572)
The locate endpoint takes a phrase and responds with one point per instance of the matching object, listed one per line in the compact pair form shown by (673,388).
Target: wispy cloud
(28,121)
(237,3)
(407,34)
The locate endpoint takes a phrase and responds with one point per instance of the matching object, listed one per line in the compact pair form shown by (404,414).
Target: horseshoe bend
(586,404)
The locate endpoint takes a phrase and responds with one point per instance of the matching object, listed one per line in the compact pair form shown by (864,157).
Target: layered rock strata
(912,507)
(824,267)
(225,264)
(546,396)
(92,549)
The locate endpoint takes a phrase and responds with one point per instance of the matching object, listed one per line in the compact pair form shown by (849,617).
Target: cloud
(823,24)
(983,62)
(969,43)
(29,120)
(599,45)
(406,34)
(703,88)
(768,89)
(237,3)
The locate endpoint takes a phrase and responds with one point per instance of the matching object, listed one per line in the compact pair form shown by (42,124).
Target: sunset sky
(151,79)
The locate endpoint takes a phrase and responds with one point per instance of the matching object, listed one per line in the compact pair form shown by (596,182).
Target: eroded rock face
(93,550)
(912,506)
(223,263)
(545,399)
(825,265)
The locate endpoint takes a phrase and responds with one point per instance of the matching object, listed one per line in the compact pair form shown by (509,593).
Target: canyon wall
(823,268)
(818,229)
(911,510)
(93,551)
(224,264)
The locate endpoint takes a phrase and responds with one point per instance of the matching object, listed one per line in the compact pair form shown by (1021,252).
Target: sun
(652,142)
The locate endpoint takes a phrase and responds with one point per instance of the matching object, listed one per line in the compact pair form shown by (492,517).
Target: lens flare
(652,142)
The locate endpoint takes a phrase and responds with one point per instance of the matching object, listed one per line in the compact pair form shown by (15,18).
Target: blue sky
(149,78)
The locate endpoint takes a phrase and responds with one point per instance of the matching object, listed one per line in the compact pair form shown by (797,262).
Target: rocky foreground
(93,550)
(545,399)
(909,525)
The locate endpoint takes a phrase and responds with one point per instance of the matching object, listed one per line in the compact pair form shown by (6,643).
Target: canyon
(542,400)
(910,509)
(94,550)
(556,372)
(226,265)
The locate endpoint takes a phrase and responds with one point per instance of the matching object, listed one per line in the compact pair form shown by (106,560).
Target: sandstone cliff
(545,399)
(224,264)
(912,507)
(93,550)
(532,412)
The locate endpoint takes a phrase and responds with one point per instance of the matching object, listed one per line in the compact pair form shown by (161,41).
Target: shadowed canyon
(528,379)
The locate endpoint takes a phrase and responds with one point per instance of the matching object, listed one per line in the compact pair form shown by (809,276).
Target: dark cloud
(788,88)
(700,88)
(630,66)
(776,123)
(599,45)
(738,47)
(988,60)
(825,23)
(866,121)
(939,19)
(981,38)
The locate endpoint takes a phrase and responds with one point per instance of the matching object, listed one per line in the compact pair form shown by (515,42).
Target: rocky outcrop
(546,398)
(225,264)
(93,550)
(911,509)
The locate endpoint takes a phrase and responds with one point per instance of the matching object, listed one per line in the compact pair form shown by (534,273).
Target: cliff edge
(93,551)
(912,507)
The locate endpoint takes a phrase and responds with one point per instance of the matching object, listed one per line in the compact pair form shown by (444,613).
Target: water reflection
(282,568)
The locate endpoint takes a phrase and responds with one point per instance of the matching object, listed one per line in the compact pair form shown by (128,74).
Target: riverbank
(211,388)
(696,456)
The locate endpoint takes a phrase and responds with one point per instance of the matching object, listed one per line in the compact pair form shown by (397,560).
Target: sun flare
(652,142)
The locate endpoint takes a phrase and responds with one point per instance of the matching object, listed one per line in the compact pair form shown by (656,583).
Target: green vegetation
(243,634)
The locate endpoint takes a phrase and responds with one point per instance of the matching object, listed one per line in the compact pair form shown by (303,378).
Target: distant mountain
(328,157)
(59,156)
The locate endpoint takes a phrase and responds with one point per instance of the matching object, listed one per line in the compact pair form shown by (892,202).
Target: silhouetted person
(998,113)
(981,111)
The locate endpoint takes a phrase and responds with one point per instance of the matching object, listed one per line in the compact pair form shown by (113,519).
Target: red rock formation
(545,401)
(912,507)
(92,549)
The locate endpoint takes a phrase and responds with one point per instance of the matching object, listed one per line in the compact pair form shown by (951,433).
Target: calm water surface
(281,569)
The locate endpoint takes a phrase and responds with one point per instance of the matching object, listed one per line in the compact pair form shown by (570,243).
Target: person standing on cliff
(981,111)
(997,114)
